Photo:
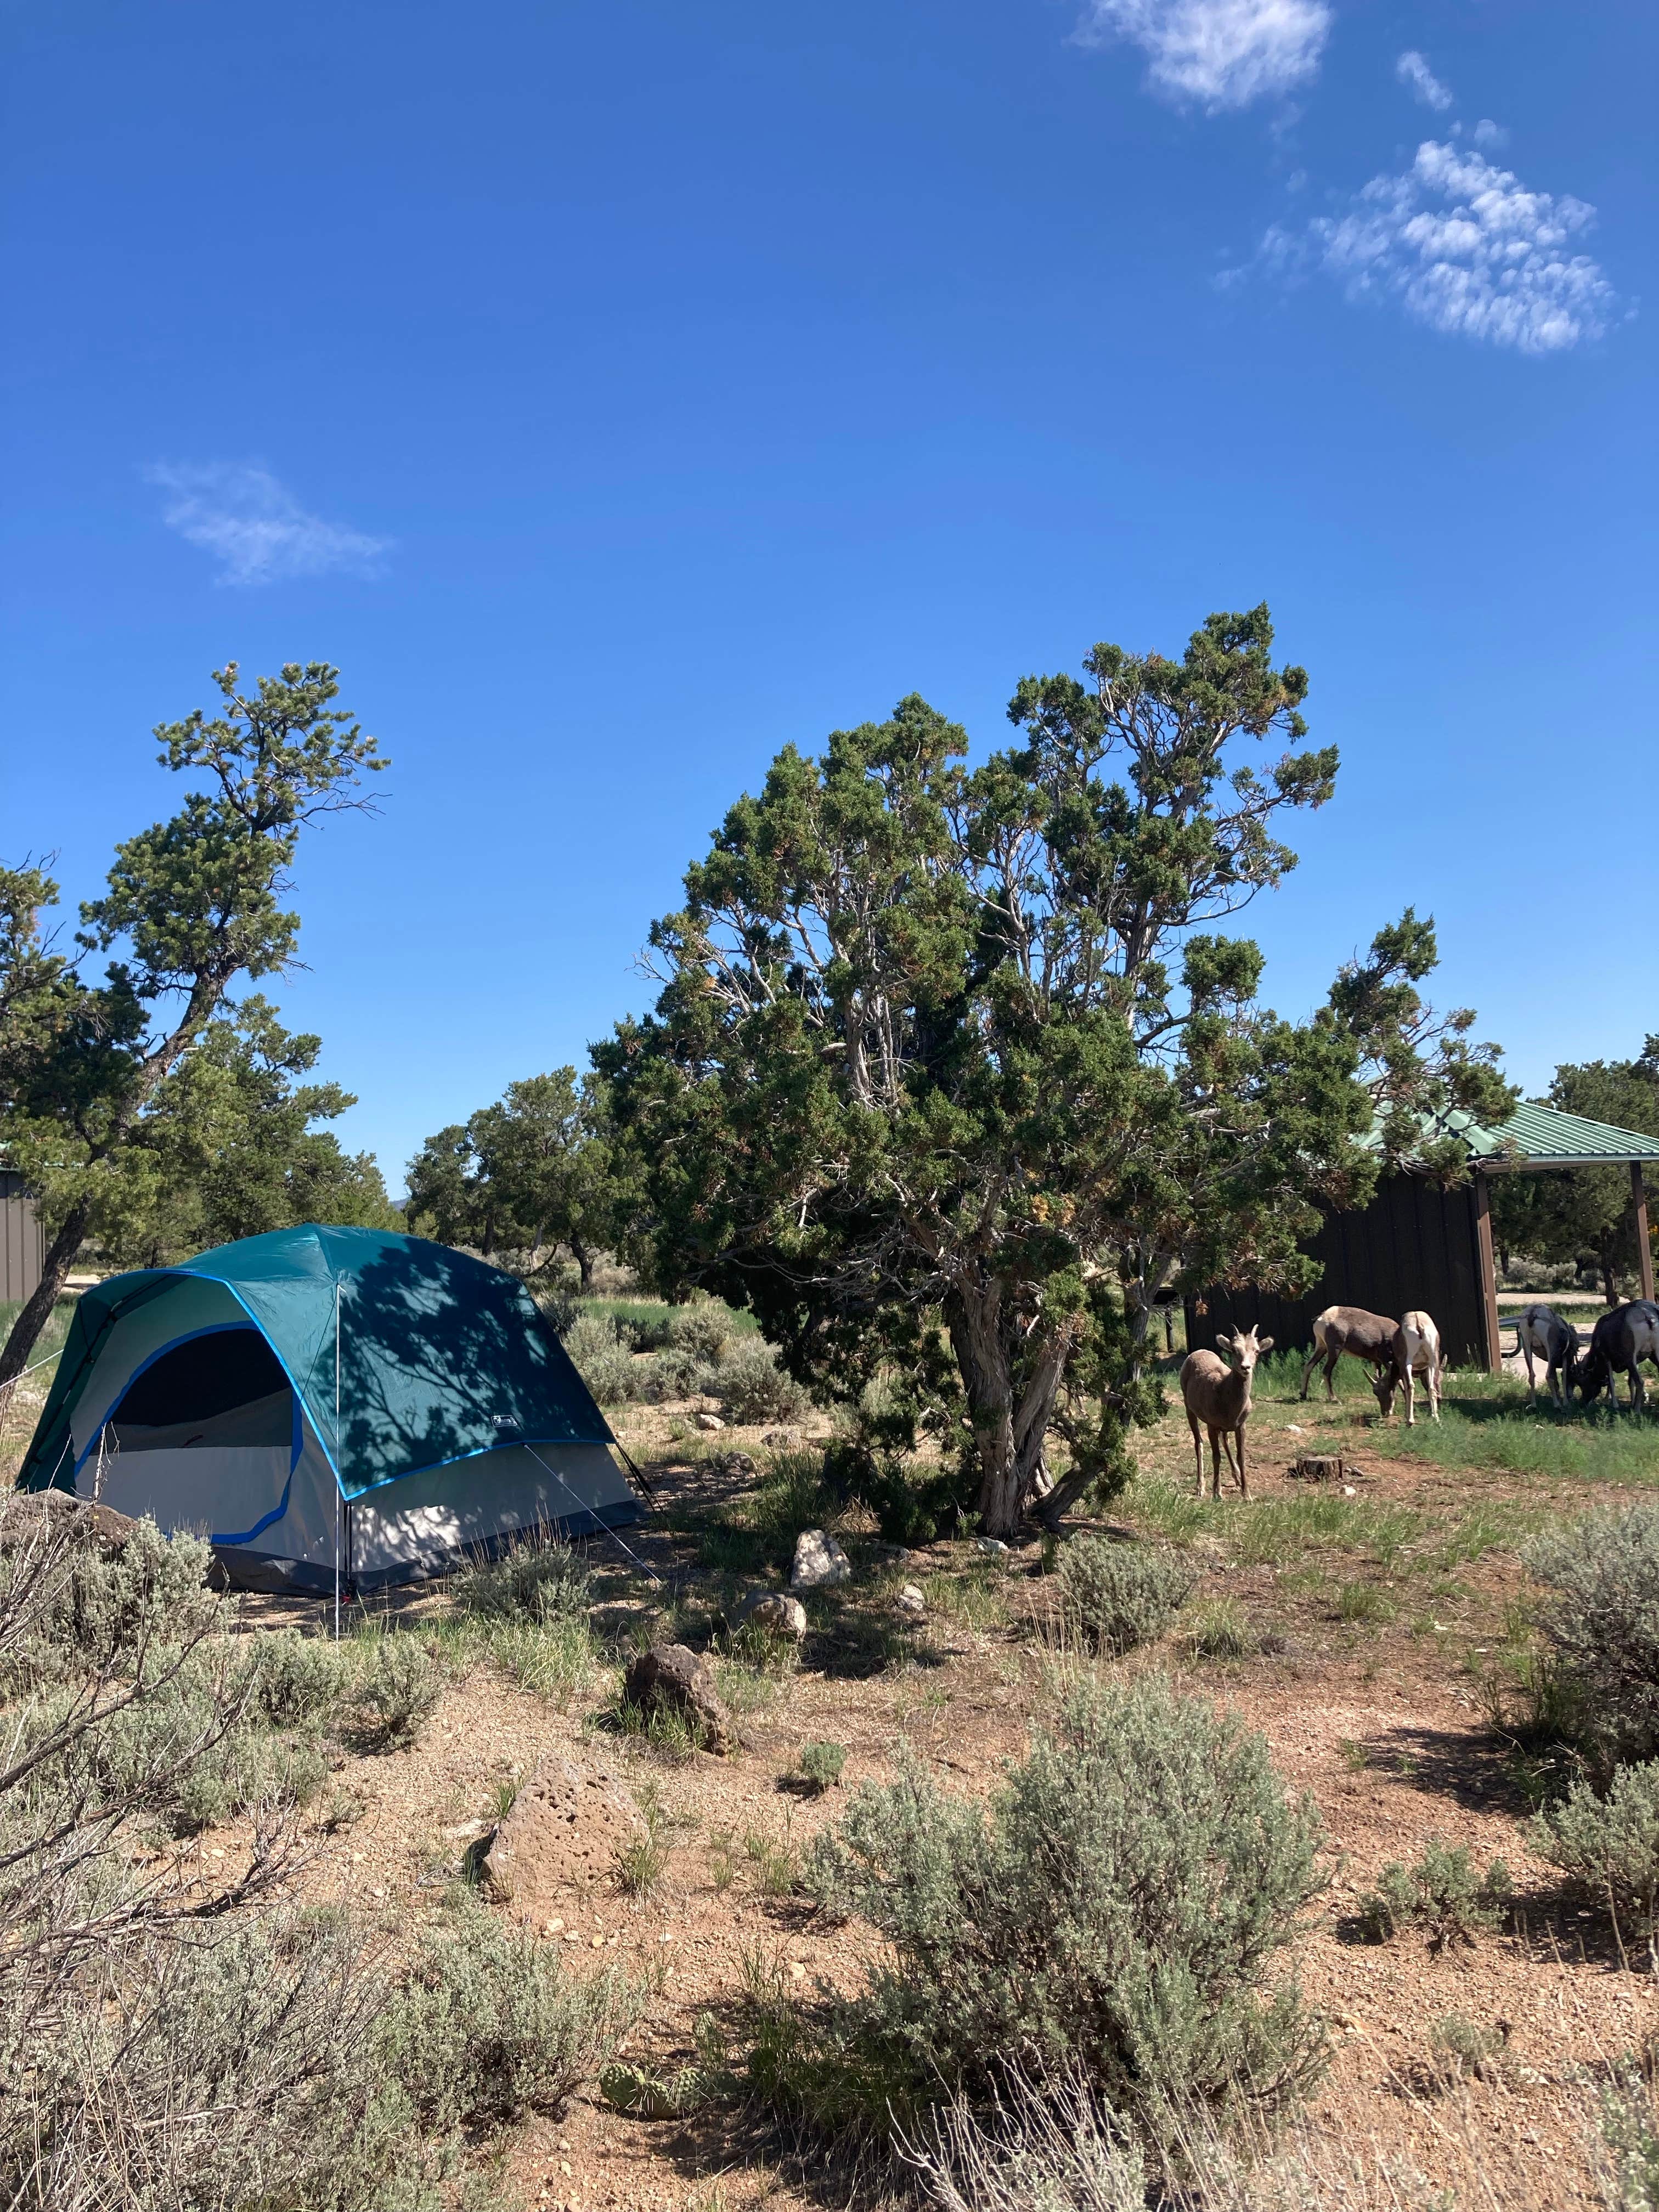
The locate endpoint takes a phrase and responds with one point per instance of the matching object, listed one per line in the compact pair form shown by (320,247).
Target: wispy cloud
(1224,53)
(1413,71)
(1463,247)
(256,527)
(1490,134)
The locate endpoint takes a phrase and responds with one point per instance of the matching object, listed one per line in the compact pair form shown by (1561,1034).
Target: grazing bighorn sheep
(1422,1341)
(1381,1343)
(1618,1340)
(1540,1333)
(1219,1397)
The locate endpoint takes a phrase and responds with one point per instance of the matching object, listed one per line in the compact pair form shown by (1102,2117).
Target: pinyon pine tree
(192,903)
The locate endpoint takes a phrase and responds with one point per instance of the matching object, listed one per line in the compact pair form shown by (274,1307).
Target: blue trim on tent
(482,1451)
(260,1527)
(213,1328)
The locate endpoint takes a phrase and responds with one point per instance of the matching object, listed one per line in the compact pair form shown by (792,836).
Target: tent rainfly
(323,1401)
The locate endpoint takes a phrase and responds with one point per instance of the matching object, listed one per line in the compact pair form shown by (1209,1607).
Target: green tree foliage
(190,904)
(1584,1216)
(523,1176)
(953,1072)
(226,1149)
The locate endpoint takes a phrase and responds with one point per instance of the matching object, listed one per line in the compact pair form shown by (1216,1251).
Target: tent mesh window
(225,1387)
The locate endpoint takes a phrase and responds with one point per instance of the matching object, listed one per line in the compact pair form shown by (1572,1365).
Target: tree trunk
(1009,1438)
(60,1256)
(584,1259)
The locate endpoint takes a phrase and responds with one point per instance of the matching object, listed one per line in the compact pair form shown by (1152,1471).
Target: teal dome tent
(326,1392)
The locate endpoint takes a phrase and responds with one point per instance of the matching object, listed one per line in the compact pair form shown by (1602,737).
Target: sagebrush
(1115,1906)
(1119,1596)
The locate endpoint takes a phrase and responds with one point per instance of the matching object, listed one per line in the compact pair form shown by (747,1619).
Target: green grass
(1492,1426)
(1276,1530)
(51,1336)
(652,1315)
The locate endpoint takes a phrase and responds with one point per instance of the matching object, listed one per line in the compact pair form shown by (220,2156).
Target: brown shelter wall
(1412,1247)
(23,1243)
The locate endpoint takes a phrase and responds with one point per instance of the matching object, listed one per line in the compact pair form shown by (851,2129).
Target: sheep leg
(1309,1365)
(1330,1372)
(1198,1448)
(1532,1387)
(1243,1480)
(1411,1397)
(1215,1463)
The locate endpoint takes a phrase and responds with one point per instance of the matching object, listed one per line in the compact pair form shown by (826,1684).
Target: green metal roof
(1543,1137)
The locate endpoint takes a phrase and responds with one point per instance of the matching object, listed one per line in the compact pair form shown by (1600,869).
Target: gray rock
(993,1546)
(670,1678)
(819,1561)
(774,1611)
(911,1600)
(779,1439)
(710,1421)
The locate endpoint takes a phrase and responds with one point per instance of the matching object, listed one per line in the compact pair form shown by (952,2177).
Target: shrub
(752,1386)
(239,2070)
(1044,2146)
(1440,1894)
(1602,1619)
(1119,1596)
(642,1864)
(400,1684)
(490,2026)
(1461,2050)
(604,1363)
(97,1607)
(1221,1629)
(534,1578)
(1608,1847)
(296,1678)
(701,1327)
(820,1765)
(1116,1906)
(1626,2157)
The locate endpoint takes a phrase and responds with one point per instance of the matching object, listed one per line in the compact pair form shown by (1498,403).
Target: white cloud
(257,528)
(1490,134)
(1464,247)
(1224,53)
(1413,70)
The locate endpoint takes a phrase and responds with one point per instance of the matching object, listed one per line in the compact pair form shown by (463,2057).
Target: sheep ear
(1227,1339)
(1264,1344)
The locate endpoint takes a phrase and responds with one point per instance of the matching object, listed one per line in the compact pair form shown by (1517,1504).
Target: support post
(1643,1248)
(1486,1261)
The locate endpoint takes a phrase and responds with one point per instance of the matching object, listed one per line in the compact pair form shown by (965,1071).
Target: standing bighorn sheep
(1422,1342)
(1542,1334)
(1219,1396)
(1381,1343)
(1618,1341)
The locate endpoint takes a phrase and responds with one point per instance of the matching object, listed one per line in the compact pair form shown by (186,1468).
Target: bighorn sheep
(1422,1341)
(1540,1333)
(1381,1343)
(1618,1340)
(1219,1397)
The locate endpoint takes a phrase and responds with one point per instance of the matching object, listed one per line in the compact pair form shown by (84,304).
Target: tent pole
(336,1446)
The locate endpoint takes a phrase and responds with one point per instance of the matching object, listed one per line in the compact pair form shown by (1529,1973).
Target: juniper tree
(190,904)
(520,1177)
(953,1075)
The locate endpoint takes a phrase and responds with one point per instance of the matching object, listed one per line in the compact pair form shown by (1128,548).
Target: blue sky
(618,391)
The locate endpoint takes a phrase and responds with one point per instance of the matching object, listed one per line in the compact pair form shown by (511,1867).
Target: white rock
(910,1600)
(773,1611)
(819,1560)
(993,1546)
(710,1421)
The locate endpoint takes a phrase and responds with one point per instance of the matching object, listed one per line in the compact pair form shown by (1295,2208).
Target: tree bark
(584,1259)
(60,1256)
(1009,1438)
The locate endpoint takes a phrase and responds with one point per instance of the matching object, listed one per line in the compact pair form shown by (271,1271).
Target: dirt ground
(1378,1611)
(1367,1686)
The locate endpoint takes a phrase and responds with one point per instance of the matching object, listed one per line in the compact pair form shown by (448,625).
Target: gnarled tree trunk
(1009,1432)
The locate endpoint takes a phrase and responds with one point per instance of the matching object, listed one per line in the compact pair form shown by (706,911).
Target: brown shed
(22,1242)
(1416,1245)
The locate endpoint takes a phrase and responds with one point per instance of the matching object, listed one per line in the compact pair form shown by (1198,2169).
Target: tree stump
(1310,1468)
